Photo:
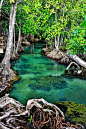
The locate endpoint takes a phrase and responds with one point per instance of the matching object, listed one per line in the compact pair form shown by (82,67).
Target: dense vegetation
(59,21)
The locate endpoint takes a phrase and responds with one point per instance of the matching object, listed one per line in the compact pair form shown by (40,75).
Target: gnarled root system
(39,114)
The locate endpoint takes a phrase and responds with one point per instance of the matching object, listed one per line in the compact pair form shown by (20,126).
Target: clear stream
(42,77)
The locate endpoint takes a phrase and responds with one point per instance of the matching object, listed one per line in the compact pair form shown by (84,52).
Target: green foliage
(41,21)
(83,24)
(12,1)
(30,119)
(52,18)
(76,45)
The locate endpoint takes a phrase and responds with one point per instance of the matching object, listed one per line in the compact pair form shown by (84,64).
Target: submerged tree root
(39,114)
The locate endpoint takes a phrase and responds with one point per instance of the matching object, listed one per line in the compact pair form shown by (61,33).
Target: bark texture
(5,64)
(78,60)
(19,47)
(1,2)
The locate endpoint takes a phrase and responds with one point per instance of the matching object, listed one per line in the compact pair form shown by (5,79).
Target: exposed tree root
(14,56)
(71,64)
(65,60)
(78,60)
(20,49)
(39,114)
(55,54)
(5,69)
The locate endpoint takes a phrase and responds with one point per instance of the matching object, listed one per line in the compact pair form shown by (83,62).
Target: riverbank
(6,82)
(62,57)
(50,53)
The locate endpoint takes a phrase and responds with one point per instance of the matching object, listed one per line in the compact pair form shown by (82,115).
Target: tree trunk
(61,39)
(14,39)
(32,37)
(57,37)
(1,5)
(46,3)
(5,64)
(55,42)
(19,41)
(78,60)
(1,2)
(19,46)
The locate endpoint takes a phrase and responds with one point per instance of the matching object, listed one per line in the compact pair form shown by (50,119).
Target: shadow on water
(42,77)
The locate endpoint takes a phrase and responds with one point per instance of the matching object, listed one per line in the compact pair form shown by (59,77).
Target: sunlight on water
(42,78)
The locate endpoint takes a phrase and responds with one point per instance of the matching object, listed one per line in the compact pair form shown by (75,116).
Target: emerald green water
(42,78)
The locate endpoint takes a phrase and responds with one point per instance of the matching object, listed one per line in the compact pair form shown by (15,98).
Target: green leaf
(30,119)
(85,17)
(83,24)
(85,48)
(75,32)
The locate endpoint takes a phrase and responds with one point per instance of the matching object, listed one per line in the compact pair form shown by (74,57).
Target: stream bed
(42,77)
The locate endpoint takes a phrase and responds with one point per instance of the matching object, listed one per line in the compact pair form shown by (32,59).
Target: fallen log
(78,60)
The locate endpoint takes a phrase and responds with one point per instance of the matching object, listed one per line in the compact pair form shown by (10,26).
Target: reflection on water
(42,78)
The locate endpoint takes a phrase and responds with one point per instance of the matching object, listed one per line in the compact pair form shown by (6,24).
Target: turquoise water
(42,78)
